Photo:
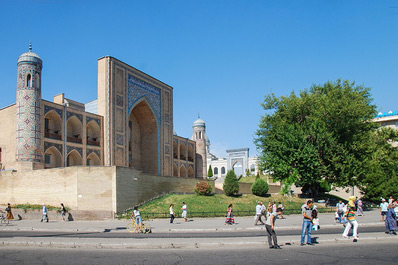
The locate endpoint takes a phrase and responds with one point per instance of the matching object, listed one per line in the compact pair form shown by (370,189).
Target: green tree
(231,184)
(210,172)
(382,179)
(323,134)
(260,187)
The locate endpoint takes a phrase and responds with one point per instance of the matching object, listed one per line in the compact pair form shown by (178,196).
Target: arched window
(216,171)
(252,168)
(223,170)
(29,80)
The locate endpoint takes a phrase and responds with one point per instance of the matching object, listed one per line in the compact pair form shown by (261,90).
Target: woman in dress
(359,208)
(230,217)
(390,221)
(9,215)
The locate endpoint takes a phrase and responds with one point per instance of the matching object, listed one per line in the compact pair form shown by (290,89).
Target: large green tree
(382,179)
(320,135)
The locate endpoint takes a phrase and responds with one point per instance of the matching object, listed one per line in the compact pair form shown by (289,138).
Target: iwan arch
(107,155)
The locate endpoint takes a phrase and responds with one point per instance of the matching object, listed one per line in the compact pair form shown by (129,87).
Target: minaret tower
(199,135)
(29,154)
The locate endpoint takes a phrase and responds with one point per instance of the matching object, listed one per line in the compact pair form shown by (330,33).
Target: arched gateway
(143,143)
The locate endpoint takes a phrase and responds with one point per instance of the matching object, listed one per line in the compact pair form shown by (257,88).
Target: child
(336,217)
(315,220)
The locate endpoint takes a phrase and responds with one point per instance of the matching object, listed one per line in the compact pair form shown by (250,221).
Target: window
(47,159)
(216,171)
(223,170)
(29,80)
(252,168)
(46,123)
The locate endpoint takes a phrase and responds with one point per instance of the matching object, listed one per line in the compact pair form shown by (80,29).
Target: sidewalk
(371,218)
(197,225)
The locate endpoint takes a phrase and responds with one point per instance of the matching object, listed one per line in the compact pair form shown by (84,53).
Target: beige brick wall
(89,191)
(7,136)
(134,187)
(79,188)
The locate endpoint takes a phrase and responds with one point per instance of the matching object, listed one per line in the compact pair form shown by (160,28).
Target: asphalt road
(122,234)
(350,253)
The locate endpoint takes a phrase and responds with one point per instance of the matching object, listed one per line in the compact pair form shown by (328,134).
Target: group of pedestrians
(9,216)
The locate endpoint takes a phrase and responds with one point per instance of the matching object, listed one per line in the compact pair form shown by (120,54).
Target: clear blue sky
(221,57)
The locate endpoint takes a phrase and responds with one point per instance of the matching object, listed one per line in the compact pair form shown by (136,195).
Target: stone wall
(134,187)
(79,188)
(90,192)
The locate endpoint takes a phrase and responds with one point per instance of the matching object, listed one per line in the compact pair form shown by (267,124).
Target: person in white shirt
(259,211)
(172,215)
(270,226)
(383,209)
(138,219)
(184,209)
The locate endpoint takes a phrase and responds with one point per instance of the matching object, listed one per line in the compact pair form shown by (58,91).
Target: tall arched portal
(143,146)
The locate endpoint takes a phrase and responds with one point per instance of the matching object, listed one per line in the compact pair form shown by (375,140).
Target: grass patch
(251,179)
(214,205)
(27,207)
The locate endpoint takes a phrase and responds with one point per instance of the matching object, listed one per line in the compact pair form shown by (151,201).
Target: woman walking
(359,208)
(390,221)
(230,217)
(350,214)
(172,215)
(63,211)
(9,215)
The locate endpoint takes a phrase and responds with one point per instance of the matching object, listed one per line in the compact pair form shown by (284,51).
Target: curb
(287,242)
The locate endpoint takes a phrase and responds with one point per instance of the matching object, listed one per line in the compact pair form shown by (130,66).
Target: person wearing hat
(259,211)
(350,214)
(383,209)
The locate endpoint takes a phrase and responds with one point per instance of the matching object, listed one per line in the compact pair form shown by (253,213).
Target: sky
(220,57)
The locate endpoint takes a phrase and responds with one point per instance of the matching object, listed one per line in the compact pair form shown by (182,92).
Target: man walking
(339,209)
(259,211)
(45,214)
(307,223)
(383,209)
(270,226)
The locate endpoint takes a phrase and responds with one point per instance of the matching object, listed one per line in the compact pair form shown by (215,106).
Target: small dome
(30,57)
(199,122)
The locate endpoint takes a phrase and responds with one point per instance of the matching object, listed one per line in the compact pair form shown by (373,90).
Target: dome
(199,122)
(30,57)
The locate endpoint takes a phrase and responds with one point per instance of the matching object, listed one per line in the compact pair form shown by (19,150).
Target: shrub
(203,188)
(210,172)
(231,185)
(260,187)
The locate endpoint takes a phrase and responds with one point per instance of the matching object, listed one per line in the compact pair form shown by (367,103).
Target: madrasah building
(117,148)
(110,154)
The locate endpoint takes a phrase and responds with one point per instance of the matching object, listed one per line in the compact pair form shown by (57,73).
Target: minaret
(29,154)
(199,136)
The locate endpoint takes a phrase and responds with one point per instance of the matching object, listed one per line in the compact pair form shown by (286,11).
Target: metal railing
(203,214)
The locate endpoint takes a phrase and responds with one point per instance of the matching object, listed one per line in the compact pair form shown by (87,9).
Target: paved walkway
(197,225)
